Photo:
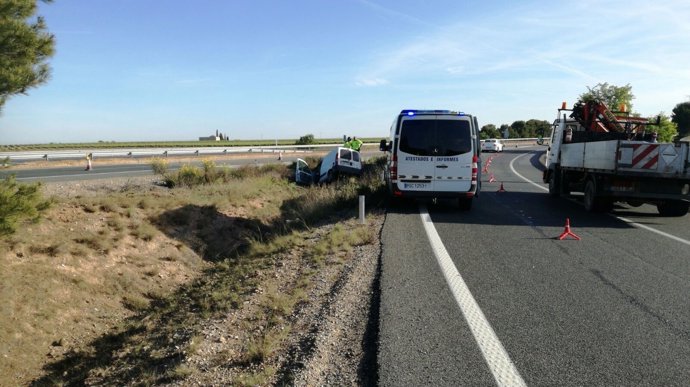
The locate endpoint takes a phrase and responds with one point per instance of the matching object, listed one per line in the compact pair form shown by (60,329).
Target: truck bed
(634,157)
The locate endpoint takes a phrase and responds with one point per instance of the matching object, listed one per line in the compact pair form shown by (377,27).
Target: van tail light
(475,172)
(394,167)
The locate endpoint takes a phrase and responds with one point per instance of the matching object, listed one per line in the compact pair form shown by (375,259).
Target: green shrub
(190,176)
(19,202)
(305,140)
(159,166)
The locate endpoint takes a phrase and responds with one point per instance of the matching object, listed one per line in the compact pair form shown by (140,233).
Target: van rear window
(436,137)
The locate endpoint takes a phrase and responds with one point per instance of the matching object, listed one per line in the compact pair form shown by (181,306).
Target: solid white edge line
(630,222)
(502,368)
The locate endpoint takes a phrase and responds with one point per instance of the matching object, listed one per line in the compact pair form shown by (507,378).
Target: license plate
(416,185)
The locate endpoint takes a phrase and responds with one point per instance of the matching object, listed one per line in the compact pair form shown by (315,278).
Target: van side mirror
(383,146)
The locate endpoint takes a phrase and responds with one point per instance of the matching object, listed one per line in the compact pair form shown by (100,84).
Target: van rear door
(453,161)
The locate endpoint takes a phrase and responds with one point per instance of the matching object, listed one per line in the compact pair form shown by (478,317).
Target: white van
(434,154)
(336,162)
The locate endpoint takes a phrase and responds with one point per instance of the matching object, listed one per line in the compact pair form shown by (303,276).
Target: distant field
(168,144)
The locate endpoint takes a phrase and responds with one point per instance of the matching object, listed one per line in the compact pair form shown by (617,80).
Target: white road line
(630,222)
(495,355)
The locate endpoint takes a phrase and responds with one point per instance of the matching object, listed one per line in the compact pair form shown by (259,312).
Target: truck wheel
(565,185)
(590,196)
(673,208)
(593,202)
(554,184)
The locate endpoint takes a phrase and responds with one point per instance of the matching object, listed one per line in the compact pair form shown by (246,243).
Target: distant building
(209,138)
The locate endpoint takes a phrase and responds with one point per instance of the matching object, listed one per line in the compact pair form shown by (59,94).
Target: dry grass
(126,276)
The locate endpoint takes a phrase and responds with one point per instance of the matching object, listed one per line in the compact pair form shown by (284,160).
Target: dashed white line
(630,222)
(495,355)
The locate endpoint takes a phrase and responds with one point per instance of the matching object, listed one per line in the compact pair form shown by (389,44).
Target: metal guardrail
(151,152)
(163,152)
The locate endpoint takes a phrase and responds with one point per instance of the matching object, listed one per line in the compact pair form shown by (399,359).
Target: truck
(615,157)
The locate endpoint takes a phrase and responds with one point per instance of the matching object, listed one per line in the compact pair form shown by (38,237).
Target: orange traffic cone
(567,231)
(501,189)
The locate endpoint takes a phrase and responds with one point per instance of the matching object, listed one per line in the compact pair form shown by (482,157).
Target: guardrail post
(361,209)
(165,154)
(130,155)
(196,153)
(45,156)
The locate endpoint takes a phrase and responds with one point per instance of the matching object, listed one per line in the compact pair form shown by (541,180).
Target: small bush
(305,140)
(190,176)
(144,231)
(135,303)
(159,166)
(19,202)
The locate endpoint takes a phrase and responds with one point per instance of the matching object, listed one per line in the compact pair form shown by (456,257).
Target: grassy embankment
(114,284)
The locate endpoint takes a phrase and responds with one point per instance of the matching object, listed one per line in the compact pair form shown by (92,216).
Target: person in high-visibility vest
(348,143)
(356,144)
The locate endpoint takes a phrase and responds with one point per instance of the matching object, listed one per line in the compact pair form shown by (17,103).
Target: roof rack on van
(411,112)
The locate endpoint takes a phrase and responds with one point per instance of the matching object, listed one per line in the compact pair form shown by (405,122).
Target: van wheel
(673,208)
(465,204)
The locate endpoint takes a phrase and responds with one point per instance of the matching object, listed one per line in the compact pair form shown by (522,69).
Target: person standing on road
(355,144)
(89,157)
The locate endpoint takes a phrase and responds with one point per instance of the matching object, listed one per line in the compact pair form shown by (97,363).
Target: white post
(361,209)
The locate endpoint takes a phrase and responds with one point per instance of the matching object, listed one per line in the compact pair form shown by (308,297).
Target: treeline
(518,129)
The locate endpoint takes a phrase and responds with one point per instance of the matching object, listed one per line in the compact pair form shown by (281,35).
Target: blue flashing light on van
(412,112)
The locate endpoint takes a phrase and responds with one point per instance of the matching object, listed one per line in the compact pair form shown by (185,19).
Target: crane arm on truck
(595,116)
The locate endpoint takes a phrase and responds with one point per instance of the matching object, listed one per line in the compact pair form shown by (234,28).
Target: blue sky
(138,70)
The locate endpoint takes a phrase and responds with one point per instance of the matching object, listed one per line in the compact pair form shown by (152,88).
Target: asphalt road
(612,309)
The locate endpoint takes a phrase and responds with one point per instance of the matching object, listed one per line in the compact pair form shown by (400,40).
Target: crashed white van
(434,154)
(337,162)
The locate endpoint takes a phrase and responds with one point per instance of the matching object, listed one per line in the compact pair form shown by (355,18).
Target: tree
(535,128)
(18,203)
(504,129)
(612,96)
(489,131)
(666,131)
(25,46)
(517,129)
(681,117)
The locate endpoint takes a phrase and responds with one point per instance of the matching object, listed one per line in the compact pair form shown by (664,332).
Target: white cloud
(371,82)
